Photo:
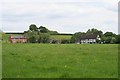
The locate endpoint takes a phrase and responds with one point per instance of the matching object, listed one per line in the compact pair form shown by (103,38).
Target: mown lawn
(60,61)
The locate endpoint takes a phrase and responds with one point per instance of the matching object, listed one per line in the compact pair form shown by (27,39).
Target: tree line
(38,34)
(106,38)
(42,35)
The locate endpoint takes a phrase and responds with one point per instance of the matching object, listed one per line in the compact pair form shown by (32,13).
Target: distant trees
(65,41)
(75,37)
(106,38)
(44,38)
(32,39)
(53,32)
(33,27)
(43,29)
(94,31)
(110,34)
(118,39)
(42,35)
(109,37)
(38,35)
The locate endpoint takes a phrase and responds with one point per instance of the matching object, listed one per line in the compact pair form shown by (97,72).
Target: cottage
(89,38)
(18,39)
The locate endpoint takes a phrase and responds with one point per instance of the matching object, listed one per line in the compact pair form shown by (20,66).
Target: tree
(109,34)
(33,27)
(75,37)
(43,38)
(65,41)
(109,37)
(103,39)
(28,34)
(32,39)
(37,35)
(118,39)
(94,31)
(113,40)
(55,41)
(43,29)
(53,32)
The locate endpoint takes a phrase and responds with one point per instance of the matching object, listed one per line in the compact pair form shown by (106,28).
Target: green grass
(59,37)
(60,61)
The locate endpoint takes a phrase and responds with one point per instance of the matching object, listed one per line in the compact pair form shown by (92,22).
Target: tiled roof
(88,36)
(17,37)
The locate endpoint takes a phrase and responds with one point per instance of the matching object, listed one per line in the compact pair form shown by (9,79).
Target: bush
(32,39)
(43,38)
(65,41)
(54,41)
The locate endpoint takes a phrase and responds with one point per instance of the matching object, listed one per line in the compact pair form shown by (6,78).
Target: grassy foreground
(60,61)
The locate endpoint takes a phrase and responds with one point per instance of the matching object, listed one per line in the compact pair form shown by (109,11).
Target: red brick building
(18,39)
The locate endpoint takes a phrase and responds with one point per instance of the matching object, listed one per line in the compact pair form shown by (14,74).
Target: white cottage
(89,38)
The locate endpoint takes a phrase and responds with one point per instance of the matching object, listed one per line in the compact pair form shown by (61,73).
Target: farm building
(18,39)
(88,39)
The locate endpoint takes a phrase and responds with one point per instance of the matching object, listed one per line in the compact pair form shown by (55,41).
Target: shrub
(65,41)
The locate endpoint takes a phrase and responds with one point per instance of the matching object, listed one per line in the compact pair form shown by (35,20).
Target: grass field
(60,61)
(59,37)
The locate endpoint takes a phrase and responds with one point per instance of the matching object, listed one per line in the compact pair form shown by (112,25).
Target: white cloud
(64,16)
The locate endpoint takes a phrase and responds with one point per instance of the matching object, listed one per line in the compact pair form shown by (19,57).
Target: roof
(88,36)
(17,37)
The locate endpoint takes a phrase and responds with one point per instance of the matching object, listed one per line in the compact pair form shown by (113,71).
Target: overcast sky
(64,16)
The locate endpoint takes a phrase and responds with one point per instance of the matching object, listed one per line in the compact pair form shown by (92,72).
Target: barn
(18,39)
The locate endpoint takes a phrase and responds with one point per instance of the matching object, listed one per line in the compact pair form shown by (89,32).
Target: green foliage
(65,41)
(117,39)
(38,35)
(44,38)
(32,39)
(53,32)
(109,37)
(41,38)
(43,29)
(54,41)
(94,31)
(113,40)
(108,34)
(76,37)
(103,38)
(5,38)
(33,27)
